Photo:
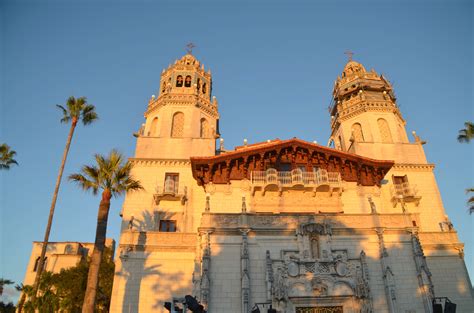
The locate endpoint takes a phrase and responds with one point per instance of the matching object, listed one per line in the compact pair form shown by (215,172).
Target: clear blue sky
(273,65)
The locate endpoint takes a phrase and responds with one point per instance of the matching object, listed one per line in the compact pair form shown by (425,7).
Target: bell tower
(366,120)
(183,120)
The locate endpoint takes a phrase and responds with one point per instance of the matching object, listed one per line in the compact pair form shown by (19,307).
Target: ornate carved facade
(357,226)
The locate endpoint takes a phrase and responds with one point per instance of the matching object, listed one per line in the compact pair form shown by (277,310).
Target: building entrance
(321,309)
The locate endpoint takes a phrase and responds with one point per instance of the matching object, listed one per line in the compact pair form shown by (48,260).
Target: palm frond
(66,118)
(7,157)
(78,109)
(111,172)
(466,134)
(84,183)
(88,114)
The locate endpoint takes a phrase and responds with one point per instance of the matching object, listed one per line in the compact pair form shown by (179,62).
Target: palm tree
(4,282)
(470,202)
(6,157)
(112,176)
(76,110)
(466,134)
(23,290)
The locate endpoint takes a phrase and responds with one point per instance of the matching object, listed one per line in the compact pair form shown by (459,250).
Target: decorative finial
(190,47)
(349,54)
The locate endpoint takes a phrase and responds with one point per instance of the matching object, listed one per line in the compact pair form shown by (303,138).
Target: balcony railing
(170,192)
(404,192)
(295,178)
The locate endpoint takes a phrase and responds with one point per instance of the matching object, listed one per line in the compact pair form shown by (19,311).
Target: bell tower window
(198,84)
(204,88)
(187,81)
(357,132)
(178,125)
(179,81)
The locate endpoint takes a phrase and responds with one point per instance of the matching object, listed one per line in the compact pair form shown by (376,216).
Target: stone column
(387,273)
(244,269)
(197,269)
(423,274)
(205,284)
(269,276)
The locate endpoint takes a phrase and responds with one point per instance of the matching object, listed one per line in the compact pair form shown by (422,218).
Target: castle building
(60,255)
(357,226)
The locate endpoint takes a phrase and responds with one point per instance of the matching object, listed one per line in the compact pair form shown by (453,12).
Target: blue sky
(273,65)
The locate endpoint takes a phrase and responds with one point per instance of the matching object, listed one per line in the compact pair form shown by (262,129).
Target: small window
(171,183)
(198,84)
(168,226)
(398,180)
(204,88)
(187,81)
(179,81)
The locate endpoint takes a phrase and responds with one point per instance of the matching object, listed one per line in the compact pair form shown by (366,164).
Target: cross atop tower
(190,47)
(349,54)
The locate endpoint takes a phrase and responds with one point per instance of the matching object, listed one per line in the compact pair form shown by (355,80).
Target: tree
(466,134)
(470,202)
(65,290)
(112,176)
(6,157)
(23,291)
(76,110)
(4,282)
(7,307)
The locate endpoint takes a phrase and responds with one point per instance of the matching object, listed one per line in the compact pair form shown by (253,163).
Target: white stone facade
(356,242)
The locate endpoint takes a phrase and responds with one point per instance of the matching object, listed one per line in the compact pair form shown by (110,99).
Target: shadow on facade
(364,263)
(317,260)
(137,273)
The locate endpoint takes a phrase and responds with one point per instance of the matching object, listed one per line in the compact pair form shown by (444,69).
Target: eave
(238,164)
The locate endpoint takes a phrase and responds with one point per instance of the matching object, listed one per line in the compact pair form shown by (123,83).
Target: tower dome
(353,68)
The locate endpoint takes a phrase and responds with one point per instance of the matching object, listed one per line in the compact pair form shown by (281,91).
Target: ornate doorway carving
(322,309)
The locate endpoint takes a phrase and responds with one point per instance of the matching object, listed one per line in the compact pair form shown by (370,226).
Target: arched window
(37,264)
(357,132)
(187,81)
(204,128)
(198,84)
(154,128)
(204,88)
(179,81)
(384,129)
(178,125)
(163,87)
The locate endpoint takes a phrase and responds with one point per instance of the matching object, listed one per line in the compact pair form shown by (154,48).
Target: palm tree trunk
(101,230)
(39,269)
(21,303)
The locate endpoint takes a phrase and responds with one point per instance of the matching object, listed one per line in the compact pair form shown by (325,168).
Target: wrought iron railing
(295,177)
(404,190)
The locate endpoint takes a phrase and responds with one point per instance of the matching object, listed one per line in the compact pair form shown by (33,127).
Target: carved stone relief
(332,274)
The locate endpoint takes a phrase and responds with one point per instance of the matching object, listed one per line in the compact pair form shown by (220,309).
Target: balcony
(319,180)
(404,192)
(171,192)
